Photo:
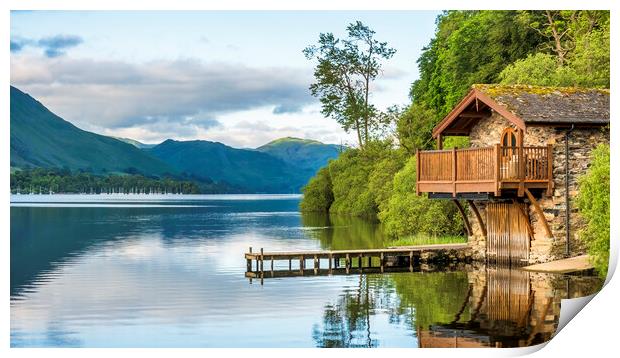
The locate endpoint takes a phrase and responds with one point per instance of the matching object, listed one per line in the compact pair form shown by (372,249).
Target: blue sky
(238,77)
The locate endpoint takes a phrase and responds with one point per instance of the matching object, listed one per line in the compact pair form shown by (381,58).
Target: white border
(592,331)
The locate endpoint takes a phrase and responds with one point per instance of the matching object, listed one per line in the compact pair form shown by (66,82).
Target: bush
(407,213)
(318,194)
(593,203)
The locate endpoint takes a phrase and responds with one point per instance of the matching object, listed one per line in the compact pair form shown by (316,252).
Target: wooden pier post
(347,263)
(316,265)
(411,261)
(249,262)
(272,266)
(381,259)
(360,262)
(261,259)
(330,263)
(301,264)
(289,264)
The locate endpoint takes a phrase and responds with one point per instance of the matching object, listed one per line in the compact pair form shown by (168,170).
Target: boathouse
(528,146)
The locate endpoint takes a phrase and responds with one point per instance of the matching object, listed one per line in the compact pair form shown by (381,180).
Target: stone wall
(581,143)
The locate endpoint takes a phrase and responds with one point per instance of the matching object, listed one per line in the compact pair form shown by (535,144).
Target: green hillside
(303,153)
(135,143)
(250,169)
(39,138)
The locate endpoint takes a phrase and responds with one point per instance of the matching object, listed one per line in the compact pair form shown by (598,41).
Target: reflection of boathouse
(529,145)
(507,308)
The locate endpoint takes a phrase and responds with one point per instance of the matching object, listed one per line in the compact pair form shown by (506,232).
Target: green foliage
(318,195)
(344,73)
(469,47)
(62,181)
(580,57)
(593,202)
(540,69)
(408,213)
(350,175)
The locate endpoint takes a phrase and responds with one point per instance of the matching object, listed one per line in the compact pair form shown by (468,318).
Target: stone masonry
(582,140)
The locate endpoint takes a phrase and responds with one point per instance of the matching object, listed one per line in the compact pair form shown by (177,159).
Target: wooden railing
(486,169)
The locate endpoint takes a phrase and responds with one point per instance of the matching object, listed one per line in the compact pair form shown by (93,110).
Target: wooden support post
(382,261)
(454,172)
(465,220)
(316,265)
(541,215)
(330,263)
(550,170)
(439,142)
(359,262)
(301,264)
(369,261)
(249,262)
(473,207)
(271,265)
(290,261)
(261,259)
(347,263)
(411,261)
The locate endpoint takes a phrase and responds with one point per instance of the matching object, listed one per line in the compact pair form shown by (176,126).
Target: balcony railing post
(550,170)
(454,172)
(521,170)
(417,172)
(498,164)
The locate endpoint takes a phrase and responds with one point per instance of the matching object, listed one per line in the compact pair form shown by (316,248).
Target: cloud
(55,46)
(52,46)
(172,98)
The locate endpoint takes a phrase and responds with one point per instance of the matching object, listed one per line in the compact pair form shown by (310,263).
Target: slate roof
(551,105)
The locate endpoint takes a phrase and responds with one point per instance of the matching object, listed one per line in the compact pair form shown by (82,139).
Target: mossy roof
(551,105)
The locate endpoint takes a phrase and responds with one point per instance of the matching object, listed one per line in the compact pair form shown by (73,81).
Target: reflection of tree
(432,297)
(346,324)
(339,232)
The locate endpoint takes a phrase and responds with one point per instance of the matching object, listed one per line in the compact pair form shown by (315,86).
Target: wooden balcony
(487,170)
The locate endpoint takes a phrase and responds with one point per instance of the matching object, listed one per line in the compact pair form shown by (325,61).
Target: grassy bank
(421,239)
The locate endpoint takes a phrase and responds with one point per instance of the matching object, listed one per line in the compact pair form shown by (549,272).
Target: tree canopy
(344,72)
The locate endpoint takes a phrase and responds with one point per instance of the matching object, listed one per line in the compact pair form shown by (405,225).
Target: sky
(236,77)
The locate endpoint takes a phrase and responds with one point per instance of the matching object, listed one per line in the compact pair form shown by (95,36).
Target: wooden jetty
(335,262)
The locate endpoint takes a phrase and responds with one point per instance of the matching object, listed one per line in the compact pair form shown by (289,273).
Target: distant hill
(246,168)
(303,153)
(39,138)
(135,143)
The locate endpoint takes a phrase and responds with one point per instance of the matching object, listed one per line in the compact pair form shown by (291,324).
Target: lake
(169,271)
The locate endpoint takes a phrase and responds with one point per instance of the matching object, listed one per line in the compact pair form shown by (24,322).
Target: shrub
(593,203)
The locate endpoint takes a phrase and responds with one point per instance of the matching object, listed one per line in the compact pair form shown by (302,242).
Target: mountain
(39,138)
(135,143)
(303,153)
(250,169)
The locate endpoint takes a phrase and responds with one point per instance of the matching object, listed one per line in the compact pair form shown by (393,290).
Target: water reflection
(173,276)
(477,307)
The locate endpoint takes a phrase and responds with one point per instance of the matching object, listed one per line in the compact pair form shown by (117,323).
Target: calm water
(99,271)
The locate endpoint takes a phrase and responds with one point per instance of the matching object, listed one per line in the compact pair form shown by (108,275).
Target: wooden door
(507,237)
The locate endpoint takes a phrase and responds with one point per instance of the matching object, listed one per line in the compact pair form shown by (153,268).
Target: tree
(344,73)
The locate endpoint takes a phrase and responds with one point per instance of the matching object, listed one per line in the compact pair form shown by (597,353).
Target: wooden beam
(541,215)
(465,220)
(503,111)
(478,217)
(530,231)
